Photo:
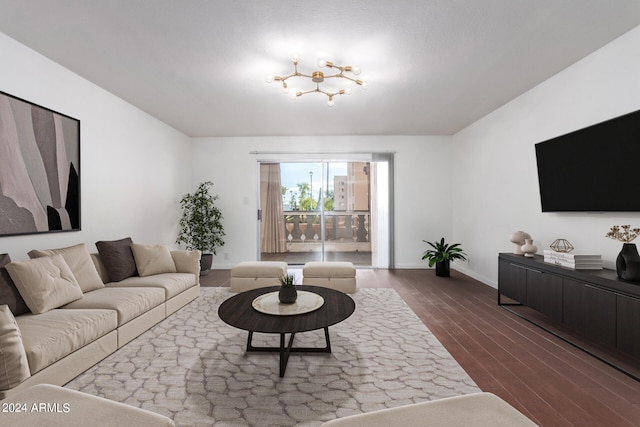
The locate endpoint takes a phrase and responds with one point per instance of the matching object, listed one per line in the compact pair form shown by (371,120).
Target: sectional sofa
(65,309)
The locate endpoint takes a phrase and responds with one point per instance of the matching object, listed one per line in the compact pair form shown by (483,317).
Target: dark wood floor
(548,380)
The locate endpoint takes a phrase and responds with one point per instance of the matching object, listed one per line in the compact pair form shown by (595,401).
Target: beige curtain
(272,229)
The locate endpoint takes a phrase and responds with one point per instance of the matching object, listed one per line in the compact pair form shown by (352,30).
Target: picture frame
(39,169)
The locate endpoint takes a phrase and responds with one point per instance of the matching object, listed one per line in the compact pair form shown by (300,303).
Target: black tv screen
(593,169)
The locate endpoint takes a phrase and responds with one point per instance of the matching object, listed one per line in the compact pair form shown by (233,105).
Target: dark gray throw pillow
(9,294)
(117,257)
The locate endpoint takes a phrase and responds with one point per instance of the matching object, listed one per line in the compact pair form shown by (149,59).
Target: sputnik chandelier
(318,77)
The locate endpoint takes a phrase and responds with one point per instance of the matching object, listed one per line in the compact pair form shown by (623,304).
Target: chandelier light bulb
(269,79)
(322,62)
(295,57)
(364,86)
(356,70)
(347,91)
(330,102)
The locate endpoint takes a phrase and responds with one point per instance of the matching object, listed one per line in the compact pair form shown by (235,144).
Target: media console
(595,303)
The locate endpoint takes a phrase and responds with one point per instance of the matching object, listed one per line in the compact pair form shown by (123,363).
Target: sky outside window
(294,173)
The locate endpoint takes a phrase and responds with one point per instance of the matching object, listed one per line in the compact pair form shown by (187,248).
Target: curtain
(273,231)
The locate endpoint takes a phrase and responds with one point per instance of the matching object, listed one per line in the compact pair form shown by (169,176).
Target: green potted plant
(200,226)
(442,254)
(288,293)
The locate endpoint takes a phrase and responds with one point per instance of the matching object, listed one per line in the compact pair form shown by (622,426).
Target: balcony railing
(343,230)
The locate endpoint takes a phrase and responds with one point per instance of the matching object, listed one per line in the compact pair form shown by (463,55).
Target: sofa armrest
(187,262)
(476,409)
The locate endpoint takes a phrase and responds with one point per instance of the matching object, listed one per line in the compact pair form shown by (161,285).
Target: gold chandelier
(318,77)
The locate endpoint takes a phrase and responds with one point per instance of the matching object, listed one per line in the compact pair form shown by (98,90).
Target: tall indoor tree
(200,225)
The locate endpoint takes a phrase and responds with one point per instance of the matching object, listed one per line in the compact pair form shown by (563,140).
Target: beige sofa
(46,405)
(79,315)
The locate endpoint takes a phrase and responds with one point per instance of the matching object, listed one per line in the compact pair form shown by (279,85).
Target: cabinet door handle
(526,268)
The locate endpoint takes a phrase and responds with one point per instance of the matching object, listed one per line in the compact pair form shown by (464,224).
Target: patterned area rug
(192,367)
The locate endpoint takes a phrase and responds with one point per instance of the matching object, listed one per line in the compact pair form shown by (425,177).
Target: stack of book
(575,261)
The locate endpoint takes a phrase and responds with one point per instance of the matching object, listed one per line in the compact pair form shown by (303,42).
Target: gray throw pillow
(117,257)
(9,294)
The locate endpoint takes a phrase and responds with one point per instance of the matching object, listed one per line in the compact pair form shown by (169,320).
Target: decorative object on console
(561,245)
(318,77)
(529,249)
(288,293)
(518,238)
(441,255)
(628,260)
(573,261)
(628,263)
(39,169)
(200,226)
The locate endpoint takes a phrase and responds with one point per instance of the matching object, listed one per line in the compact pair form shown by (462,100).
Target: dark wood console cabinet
(595,303)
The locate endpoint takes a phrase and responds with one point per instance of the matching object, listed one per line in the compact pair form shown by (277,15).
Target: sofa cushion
(172,283)
(79,261)
(128,303)
(187,261)
(152,259)
(51,336)
(9,294)
(14,367)
(45,283)
(117,257)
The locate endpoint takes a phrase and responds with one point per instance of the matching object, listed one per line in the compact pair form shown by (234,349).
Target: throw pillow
(14,366)
(153,259)
(187,261)
(9,294)
(117,258)
(79,261)
(45,283)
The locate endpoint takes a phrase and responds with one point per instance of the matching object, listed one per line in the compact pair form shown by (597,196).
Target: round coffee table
(238,312)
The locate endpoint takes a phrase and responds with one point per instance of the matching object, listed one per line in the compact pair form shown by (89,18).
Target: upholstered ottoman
(256,274)
(477,410)
(49,406)
(340,276)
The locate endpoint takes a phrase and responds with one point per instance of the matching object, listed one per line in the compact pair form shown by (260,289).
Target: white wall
(422,188)
(496,188)
(133,167)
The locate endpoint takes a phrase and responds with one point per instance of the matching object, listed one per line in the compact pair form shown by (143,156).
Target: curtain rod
(322,152)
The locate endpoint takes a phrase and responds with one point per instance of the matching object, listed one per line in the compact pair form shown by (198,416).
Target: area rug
(192,367)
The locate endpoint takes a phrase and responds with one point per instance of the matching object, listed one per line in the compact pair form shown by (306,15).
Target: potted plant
(442,254)
(200,226)
(288,293)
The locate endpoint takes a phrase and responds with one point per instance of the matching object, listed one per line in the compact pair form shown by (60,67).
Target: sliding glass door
(322,211)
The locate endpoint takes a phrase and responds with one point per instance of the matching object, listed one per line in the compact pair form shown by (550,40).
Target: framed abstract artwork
(39,169)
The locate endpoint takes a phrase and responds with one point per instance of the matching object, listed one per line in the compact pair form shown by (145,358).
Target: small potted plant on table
(441,255)
(288,293)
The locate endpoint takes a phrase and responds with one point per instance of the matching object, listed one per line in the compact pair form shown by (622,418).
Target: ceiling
(432,66)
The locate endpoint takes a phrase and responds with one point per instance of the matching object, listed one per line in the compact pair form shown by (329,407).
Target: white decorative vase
(518,238)
(529,249)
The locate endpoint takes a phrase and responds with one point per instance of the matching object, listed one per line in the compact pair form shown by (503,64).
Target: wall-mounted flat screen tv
(595,169)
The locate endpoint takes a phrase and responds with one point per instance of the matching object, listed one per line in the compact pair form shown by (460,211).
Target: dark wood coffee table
(238,312)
